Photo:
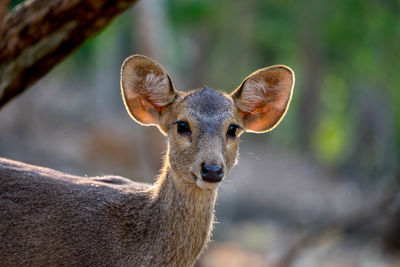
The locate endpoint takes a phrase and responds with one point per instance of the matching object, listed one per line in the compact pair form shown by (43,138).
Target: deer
(49,218)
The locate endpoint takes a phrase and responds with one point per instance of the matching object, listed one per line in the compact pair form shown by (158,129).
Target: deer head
(203,126)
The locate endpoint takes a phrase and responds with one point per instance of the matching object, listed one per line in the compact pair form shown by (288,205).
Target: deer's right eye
(183,127)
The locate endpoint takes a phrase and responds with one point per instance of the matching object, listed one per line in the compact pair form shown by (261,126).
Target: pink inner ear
(159,108)
(263,98)
(142,110)
(244,114)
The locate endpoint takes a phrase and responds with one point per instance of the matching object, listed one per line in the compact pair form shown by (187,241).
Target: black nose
(211,173)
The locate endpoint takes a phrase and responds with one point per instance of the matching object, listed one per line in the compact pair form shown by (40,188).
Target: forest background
(331,161)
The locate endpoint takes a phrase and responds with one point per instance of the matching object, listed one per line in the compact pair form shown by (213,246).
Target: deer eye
(182,127)
(232,130)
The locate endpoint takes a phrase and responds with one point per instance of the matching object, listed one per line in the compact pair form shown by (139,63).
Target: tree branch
(40,33)
(3,12)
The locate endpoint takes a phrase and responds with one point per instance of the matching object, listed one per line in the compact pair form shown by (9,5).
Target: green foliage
(331,135)
(14,3)
(189,13)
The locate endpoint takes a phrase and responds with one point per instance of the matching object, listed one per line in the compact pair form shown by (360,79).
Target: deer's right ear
(146,89)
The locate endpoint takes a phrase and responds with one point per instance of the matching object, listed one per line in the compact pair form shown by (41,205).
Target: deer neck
(169,188)
(187,200)
(189,211)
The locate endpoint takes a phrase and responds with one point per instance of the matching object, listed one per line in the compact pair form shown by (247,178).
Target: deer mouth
(204,185)
(199,182)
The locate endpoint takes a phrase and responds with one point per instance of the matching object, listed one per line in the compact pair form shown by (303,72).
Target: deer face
(203,126)
(203,133)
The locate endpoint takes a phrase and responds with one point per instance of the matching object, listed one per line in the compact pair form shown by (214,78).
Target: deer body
(52,218)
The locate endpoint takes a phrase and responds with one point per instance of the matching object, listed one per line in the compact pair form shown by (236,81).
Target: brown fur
(49,218)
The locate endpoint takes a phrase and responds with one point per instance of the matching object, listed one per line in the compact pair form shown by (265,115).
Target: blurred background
(316,191)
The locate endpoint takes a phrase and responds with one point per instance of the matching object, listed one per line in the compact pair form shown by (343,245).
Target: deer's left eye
(232,130)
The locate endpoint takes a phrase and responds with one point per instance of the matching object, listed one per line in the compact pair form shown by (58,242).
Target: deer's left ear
(263,97)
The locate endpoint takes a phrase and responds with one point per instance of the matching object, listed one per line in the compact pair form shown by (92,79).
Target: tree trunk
(40,33)
(3,11)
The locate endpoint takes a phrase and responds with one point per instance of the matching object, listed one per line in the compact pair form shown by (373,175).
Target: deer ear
(263,97)
(146,89)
